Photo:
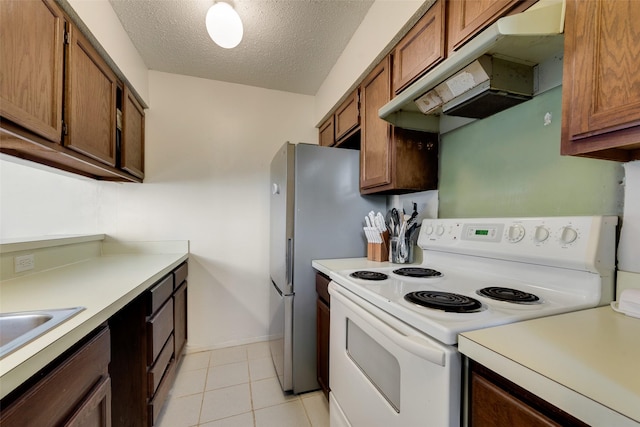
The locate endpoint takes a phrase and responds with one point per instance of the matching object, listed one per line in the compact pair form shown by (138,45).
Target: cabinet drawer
(159,327)
(158,369)
(159,294)
(322,283)
(155,404)
(180,274)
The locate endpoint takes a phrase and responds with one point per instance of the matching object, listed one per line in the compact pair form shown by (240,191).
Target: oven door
(385,373)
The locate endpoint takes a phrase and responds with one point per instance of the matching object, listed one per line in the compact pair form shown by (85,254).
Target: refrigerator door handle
(289,265)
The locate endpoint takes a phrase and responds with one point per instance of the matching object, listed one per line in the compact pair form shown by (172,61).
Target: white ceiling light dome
(224,25)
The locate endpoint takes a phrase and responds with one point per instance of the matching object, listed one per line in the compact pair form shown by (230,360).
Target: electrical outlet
(24,263)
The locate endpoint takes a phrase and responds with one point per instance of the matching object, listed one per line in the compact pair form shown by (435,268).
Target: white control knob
(440,230)
(541,234)
(515,233)
(275,188)
(429,230)
(569,235)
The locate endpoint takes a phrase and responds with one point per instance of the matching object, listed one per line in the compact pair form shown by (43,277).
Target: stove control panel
(580,241)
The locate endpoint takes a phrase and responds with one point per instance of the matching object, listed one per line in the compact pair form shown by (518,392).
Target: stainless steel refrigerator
(316,212)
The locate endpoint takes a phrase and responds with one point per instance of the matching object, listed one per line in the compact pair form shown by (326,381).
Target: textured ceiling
(288,45)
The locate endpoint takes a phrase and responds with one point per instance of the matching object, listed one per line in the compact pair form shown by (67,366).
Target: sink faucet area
(20,328)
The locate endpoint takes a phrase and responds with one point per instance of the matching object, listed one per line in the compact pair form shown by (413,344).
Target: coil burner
(509,295)
(445,301)
(369,275)
(417,272)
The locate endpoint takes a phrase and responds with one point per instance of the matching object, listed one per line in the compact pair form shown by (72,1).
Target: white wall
(39,201)
(209,145)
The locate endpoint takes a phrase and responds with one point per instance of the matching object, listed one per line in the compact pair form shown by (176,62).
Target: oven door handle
(393,329)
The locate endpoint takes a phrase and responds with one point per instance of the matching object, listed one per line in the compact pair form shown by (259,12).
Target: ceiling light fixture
(224,25)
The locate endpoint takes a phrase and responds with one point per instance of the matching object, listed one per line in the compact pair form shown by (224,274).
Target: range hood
(521,40)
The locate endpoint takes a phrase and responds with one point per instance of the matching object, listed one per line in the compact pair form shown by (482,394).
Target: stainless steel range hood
(527,38)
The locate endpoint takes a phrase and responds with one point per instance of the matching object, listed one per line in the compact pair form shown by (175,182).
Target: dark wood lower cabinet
(149,334)
(497,402)
(74,390)
(322,332)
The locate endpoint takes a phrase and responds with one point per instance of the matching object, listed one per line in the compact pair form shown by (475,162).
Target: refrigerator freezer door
(281,218)
(280,332)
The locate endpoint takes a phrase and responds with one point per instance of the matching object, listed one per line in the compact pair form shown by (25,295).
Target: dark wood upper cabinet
(601,82)
(90,107)
(326,133)
(347,117)
(375,144)
(466,18)
(392,160)
(132,150)
(421,48)
(59,97)
(31,65)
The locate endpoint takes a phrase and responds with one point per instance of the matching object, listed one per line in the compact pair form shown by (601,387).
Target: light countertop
(327,266)
(587,363)
(103,284)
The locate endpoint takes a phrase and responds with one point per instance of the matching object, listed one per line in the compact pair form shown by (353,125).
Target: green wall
(509,164)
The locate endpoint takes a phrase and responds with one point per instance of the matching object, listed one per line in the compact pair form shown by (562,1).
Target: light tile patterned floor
(237,387)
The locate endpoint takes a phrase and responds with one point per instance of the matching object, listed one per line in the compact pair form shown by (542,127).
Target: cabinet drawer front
(155,405)
(181,274)
(159,368)
(159,294)
(159,327)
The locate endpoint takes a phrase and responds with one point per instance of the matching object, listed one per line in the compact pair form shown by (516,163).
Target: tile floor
(237,387)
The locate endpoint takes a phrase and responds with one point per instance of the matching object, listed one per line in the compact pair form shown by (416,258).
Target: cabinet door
(375,148)
(347,117)
(95,411)
(326,133)
(180,319)
(322,344)
(68,389)
(494,407)
(132,155)
(90,105)
(495,401)
(601,83)
(465,18)
(420,49)
(31,68)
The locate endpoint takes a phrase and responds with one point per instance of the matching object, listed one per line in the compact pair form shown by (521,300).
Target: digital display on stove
(489,233)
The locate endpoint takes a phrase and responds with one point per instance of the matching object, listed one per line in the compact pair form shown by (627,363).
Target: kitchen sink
(21,327)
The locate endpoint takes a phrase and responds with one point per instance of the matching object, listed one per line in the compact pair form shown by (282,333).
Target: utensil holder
(379,251)
(401,250)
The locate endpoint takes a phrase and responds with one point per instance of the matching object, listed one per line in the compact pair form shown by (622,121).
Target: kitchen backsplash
(509,164)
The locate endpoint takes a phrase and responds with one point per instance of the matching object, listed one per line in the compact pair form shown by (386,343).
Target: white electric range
(394,329)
